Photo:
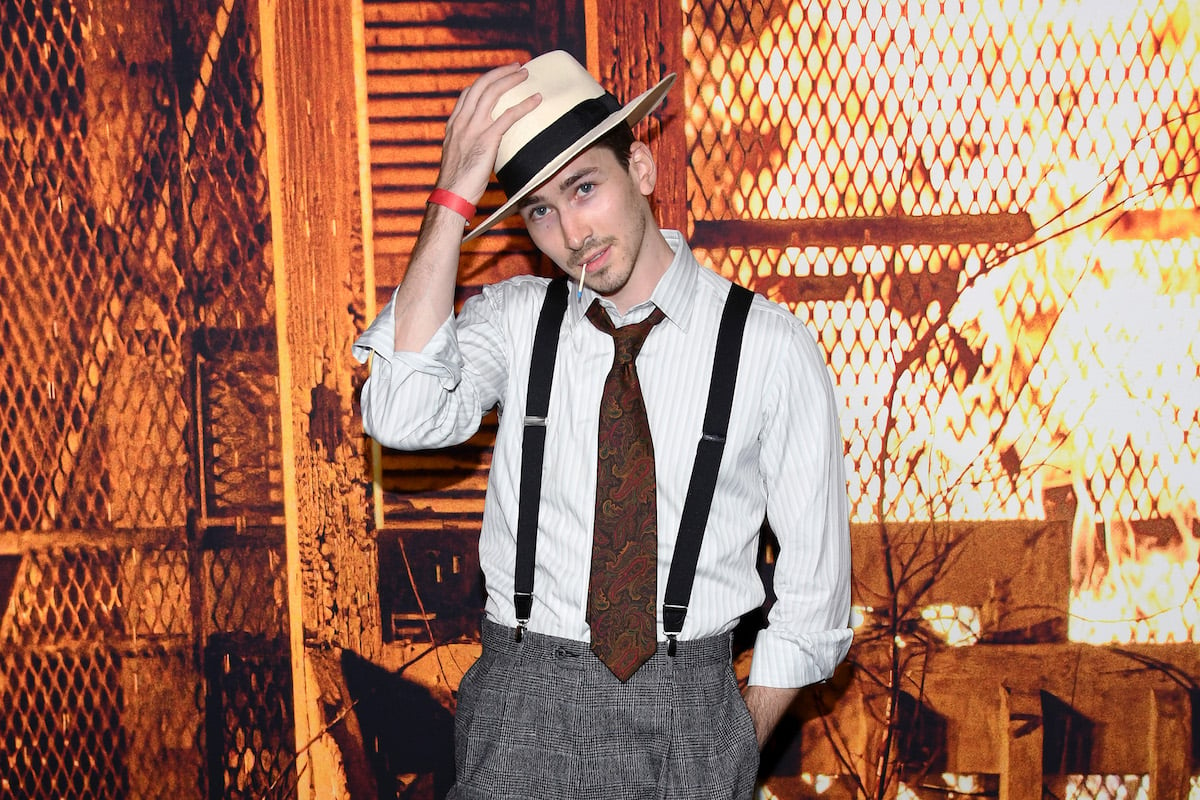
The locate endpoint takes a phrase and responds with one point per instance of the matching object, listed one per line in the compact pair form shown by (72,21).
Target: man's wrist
(767,705)
(456,203)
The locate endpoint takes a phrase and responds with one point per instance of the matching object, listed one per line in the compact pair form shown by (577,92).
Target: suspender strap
(537,406)
(696,507)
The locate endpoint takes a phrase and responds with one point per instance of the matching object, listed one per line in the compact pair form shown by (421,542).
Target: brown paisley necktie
(624,580)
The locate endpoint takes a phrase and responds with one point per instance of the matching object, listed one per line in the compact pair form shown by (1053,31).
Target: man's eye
(586,188)
(537,212)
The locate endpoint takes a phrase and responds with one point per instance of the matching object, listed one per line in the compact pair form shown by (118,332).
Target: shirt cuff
(789,662)
(439,358)
(380,335)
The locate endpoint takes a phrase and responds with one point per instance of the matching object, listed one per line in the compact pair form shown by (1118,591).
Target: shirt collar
(675,293)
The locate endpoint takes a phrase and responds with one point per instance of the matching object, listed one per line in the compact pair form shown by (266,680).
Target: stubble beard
(616,275)
(611,277)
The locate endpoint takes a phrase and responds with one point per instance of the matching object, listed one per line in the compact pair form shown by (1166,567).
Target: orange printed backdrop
(986,212)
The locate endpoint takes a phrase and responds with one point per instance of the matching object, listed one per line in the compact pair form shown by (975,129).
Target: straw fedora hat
(575,111)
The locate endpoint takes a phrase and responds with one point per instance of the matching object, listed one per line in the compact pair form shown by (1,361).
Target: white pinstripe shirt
(783,458)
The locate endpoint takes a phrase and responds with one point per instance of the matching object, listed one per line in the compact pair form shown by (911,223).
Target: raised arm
(426,295)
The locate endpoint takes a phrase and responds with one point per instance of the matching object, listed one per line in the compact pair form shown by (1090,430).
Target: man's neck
(654,259)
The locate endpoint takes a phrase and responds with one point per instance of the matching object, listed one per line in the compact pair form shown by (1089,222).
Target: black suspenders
(537,405)
(703,483)
(694,518)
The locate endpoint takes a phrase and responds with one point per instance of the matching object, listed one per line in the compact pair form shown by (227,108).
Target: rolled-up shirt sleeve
(435,397)
(803,464)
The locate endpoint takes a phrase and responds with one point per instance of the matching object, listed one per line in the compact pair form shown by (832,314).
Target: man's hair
(620,141)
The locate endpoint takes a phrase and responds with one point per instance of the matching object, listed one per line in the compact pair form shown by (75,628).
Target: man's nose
(575,228)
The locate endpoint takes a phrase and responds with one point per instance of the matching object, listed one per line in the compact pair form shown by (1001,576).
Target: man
(597,678)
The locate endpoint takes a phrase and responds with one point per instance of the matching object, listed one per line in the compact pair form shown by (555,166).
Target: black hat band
(554,140)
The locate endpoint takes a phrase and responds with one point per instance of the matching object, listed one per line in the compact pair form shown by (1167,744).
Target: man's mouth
(593,261)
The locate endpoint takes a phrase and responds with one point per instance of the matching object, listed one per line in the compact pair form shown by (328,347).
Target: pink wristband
(448,199)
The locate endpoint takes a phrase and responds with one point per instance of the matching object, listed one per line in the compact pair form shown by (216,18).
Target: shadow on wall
(405,731)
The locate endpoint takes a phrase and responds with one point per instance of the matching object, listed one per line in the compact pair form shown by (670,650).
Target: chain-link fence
(974,373)
(142,578)
(987,213)
(871,165)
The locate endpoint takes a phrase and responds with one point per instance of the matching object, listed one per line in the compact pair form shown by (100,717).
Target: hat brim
(632,113)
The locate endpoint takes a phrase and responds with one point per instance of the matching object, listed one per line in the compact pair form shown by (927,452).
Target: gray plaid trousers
(544,719)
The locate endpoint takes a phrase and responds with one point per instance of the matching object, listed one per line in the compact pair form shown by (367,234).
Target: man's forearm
(426,296)
(767,706)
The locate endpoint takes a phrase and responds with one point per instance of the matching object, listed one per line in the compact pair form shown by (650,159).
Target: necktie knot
(627,340)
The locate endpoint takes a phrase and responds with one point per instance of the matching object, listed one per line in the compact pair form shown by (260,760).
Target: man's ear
(642,168)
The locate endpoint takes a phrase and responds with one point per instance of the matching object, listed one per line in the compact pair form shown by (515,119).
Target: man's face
(593,217)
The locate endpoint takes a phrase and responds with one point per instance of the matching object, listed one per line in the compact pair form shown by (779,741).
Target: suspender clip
(538,421)
(523,603)
(713,437)
(673,616)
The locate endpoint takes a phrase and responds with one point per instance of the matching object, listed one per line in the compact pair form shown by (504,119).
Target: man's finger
(488,88)
(514,113)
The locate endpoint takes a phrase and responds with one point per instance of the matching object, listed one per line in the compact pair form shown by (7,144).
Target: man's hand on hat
(473,137)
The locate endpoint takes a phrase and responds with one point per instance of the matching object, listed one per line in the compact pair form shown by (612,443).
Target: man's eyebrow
(566,183)
(576,177)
